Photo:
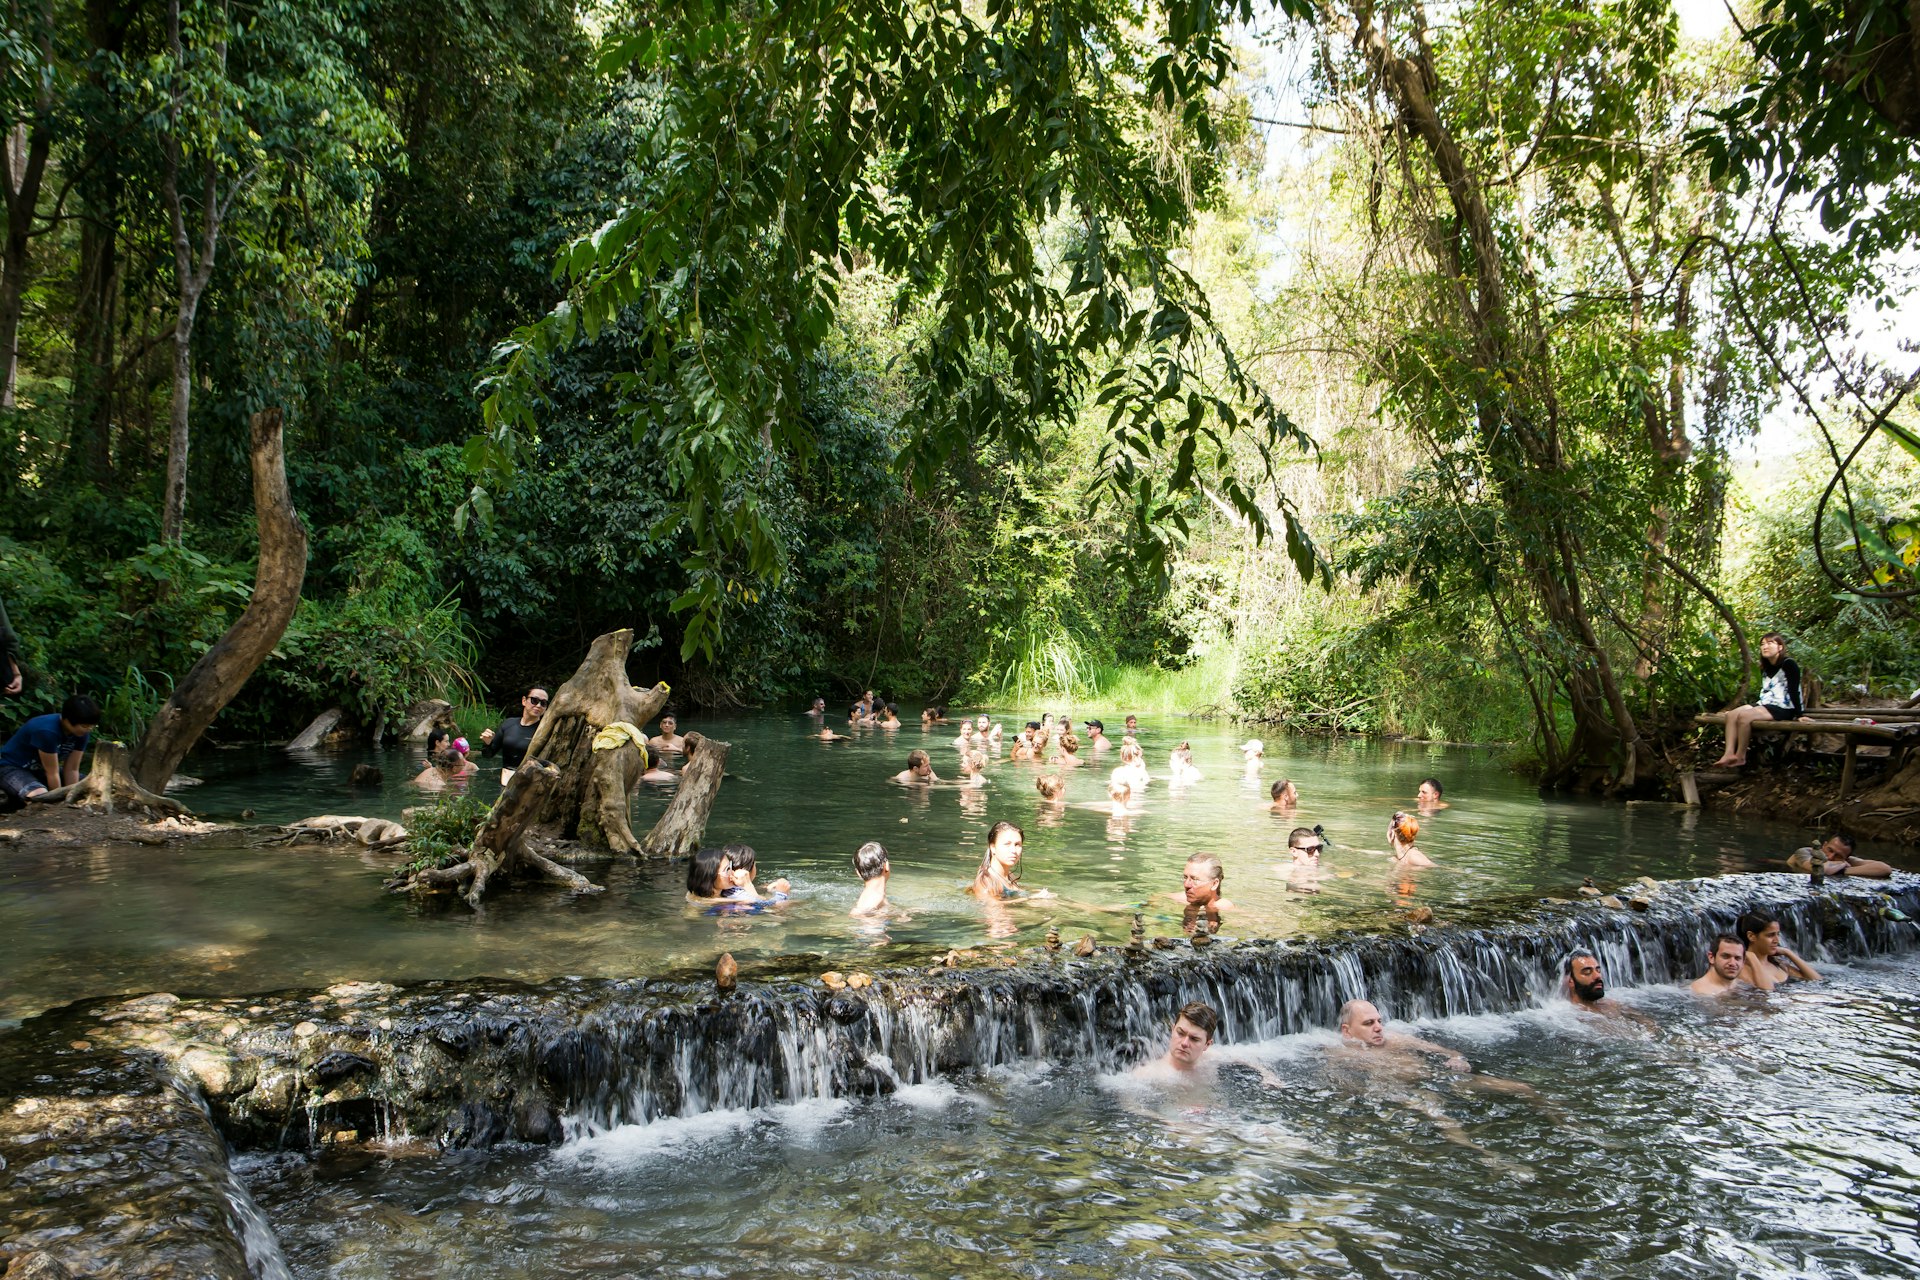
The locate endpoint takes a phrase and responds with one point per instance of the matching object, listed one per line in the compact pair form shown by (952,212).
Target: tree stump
(316,733)
(606,810)
(596,696)
(111,786)
(502,848)
(682,826)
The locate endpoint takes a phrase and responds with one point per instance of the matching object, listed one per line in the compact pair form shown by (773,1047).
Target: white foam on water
(935,1095)
(628,1145)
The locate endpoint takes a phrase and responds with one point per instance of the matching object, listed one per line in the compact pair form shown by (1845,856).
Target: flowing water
(1760,1137)
(236,918)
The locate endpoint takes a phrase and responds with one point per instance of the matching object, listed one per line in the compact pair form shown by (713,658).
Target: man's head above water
(1360,1020)
(1192,1035)
(1586,984)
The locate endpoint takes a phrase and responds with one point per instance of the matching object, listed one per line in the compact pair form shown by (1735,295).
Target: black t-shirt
(510,741)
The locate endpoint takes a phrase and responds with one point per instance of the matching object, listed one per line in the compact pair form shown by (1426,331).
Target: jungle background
(1513,289)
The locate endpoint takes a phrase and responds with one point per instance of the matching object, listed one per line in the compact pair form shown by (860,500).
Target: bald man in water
(1363,1029)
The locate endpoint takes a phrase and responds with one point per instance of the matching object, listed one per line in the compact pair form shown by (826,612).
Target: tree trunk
(22,166)
(173,509)
(110,785)
(224,668)
(682,826)
(594,697)
(606,810)
(502,846)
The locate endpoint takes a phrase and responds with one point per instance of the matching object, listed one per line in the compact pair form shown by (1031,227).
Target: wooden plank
(1690,790)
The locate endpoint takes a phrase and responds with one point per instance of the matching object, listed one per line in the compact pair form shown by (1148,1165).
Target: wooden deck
(1896,729)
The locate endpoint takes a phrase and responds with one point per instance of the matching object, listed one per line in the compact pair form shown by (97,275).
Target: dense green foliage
(965,351)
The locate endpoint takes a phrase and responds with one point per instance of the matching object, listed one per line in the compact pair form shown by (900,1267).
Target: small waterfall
(625,1064)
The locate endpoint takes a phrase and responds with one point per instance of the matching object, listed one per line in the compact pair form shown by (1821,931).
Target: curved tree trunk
(110,786)
(596,696)
(605,810)
(502,845)
(682,826)
(224,668)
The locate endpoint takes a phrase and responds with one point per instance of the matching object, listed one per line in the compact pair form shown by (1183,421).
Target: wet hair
(1843,838)
(703,873)
(1212,865)
(1069,743)
(1049,785)
(1280,788)
(80,709)
(1298,834)
(1130,751)
(1119,788)
(1350,1008)
(1034,725)
(1754,922)
(917,757)
(1578,953)
(1405,827)
(993,838)
(1201,1015)
(1721,939)
(740,858)
(870,860)
(974,760)
(1435,784)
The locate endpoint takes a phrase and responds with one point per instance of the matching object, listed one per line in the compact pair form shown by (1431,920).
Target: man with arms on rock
(1724,959)
(515,734)
(44,753)
(1838,859)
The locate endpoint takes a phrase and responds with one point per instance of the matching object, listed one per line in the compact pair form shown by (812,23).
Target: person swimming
(998,879)
(1180,767)
(1286,797)
(919,770)
(1401,832)
(1770,963)
(871,865)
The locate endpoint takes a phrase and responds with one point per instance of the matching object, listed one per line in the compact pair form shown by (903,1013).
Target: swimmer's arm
(1796,966)
(1453,1061)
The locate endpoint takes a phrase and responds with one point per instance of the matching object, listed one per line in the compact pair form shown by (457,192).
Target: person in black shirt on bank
(1779,699)
(511,739)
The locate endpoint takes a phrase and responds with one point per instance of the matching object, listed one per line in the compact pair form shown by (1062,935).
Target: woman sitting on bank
(1779,700)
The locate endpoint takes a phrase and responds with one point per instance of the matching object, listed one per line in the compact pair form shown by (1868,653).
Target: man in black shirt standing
(515,733)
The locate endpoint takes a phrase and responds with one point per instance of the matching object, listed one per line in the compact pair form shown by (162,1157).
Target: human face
(1186,1044)
(1766,942)
(1006,848)
(1428,796)
(1771,650)
(1133,723)
(1365,1025)
(1200,887)
(534,705)
(1727,958)
(1834,851)
(1306,851)
(1589,984)
(667,726)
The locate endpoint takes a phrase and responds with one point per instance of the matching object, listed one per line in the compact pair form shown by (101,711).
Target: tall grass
(1052,672)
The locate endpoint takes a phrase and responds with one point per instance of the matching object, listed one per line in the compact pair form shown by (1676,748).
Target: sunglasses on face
(536,702)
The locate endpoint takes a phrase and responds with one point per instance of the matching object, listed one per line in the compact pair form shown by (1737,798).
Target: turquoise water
(232,918)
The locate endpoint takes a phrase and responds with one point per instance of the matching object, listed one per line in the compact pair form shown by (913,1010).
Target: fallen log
(316,733)
(684,824)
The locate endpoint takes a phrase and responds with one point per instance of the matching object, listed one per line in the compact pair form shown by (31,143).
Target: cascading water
(625,1065)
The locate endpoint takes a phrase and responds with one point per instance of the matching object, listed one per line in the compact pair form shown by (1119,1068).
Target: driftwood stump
(587,781)
(111,786)
(316,732)
(681,827)
(502,848)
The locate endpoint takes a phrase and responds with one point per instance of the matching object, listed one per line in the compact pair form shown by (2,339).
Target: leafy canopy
(998,160)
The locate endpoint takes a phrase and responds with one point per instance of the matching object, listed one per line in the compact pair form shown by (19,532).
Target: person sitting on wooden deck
(1779,700)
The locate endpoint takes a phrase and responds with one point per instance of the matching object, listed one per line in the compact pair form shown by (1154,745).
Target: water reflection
(89,922)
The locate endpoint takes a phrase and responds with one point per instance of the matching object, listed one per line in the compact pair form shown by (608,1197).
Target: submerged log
(316,733)
(235,656)
(111,787)
(503,846)
(597,695)
(682,826)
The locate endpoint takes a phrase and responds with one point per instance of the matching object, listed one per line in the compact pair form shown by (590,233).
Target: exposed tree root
(588,801)
(502,847)
(110,787)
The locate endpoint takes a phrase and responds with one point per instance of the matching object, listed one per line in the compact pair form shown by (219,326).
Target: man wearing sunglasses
(511,739)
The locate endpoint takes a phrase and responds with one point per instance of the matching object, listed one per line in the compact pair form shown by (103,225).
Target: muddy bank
(1807,795)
